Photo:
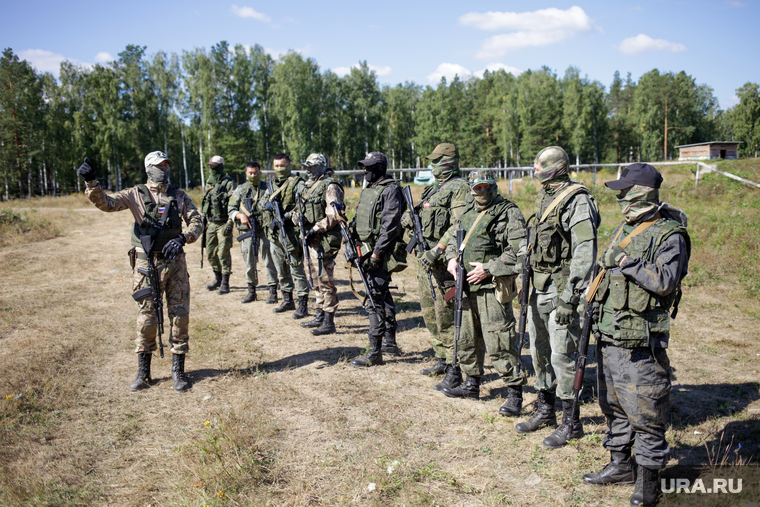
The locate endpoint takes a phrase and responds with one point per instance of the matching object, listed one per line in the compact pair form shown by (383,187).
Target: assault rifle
(524,302)
(303,240)
(279,222)
(203,238)
(456,293)
(580,365)
(352,252)
(154,279)
(418,240)
(253,232)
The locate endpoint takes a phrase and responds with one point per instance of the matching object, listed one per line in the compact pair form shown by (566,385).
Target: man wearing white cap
(219,229)
(159,210)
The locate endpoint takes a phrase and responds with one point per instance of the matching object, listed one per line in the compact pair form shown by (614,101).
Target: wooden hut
(707,151)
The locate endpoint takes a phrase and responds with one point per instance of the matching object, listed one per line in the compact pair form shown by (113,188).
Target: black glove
(612,256)
(174,247)
(430,257)
(565,310)
(227,232)
(372,264)
(88,170)
(310,235)
(269,206)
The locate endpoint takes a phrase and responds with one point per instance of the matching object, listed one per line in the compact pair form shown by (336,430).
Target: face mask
(282,172)
(158,175)
(551,171)
(638,202)
(215,174)
(374,173)
(484,199)
(445,167)
(315,171)
(253,180)
(555,183)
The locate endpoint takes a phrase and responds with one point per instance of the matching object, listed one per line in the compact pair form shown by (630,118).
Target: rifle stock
(418,240)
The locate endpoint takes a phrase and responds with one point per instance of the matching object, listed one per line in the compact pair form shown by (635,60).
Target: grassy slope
(290,423)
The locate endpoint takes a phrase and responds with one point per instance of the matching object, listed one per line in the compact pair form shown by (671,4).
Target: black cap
(637,174)
(374,158)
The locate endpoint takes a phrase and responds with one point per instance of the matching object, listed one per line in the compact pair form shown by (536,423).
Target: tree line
(241,103)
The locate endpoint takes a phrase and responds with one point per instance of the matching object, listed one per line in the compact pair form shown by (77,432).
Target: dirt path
(324,429)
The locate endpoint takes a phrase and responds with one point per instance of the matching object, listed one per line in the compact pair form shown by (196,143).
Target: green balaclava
(551,166)
(282,172)
(216,173)
(637,202)
(253,180)
(483,200)
(446,167)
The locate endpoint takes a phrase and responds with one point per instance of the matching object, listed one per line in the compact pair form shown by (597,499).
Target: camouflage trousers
(265,257)
(218,248)
(291,276)
(634,394)
(175,286)
(552,347)
(438,316)
(324,283)
(488,327)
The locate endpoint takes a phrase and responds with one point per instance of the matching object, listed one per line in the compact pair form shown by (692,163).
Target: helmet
(551,162)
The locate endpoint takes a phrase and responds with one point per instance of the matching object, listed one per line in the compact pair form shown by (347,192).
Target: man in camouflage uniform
(158,209)
(253,192)
(563,249)
(495,227)
(285,188)
(643,268)
(219,228)
(377,225)
(440,205)
(323,238)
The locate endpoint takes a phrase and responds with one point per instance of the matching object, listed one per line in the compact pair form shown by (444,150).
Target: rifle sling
(594,286)
(280,190)
(557,200)
(472,228)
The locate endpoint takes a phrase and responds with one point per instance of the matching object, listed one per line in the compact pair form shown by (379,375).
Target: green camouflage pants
(552,346)
(324,286)
(438,316)
(218,248)
(634,394)
(289,275)
(265,256)
(175,286)
(488,327)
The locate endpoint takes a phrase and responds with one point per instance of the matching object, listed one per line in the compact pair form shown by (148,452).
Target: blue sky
(715,41)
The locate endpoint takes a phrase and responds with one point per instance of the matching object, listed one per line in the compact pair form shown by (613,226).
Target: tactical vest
(248,191)
(435,214)
(628,312)
(314,205)
(287,197)
(215,202)
(481,244)
(151,216)
(551,245)
(368,217)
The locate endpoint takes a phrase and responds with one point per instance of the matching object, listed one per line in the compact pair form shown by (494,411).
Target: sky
(715,41)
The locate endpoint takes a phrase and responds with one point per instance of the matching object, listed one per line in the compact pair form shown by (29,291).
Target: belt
(144,257)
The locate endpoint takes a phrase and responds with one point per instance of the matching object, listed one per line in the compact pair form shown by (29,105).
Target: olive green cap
(444,149)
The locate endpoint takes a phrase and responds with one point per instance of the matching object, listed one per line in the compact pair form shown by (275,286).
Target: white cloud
(643,43)
(47,61)
(493,67)
(248,12)
(528,29)
(448,70)
(103,57)
(380,71)
(277,53)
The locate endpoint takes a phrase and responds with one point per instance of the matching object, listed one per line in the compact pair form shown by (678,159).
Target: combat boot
(390,346)
(316,321)
(224,288)
(142,380)
(647,492)
(217,281)
(251,296)
(618,471)
(326,327)
(373,357)
(303,308)
(452,379)
(178,373)
(571,427)
(287,303)
(543,416)
(513,405)
(272,299)
(470,389)
(439,368)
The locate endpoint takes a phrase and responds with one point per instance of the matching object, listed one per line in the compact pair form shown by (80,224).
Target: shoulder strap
(439,188)
(472,228)
(557,200)
(281,189)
